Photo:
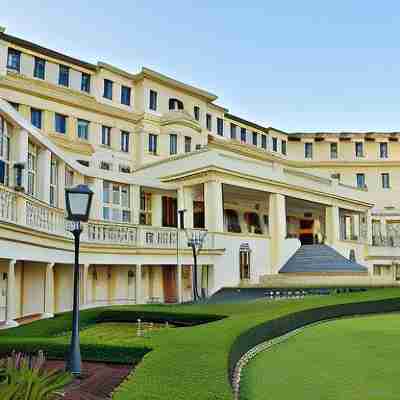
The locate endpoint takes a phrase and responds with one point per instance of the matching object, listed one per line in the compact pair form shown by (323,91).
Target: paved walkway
(98,380)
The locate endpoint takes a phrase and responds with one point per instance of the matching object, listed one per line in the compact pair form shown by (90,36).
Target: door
(306,231)
(169,284)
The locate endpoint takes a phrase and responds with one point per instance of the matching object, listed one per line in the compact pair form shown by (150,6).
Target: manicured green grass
(355,358)
(185,363)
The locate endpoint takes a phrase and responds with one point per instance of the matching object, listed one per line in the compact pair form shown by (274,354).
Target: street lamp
(78,201)
(195,240)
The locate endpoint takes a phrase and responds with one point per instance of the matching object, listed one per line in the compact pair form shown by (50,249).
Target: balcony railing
(26,211)
(385,241)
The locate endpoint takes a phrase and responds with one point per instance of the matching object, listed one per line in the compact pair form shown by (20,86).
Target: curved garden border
(250,342)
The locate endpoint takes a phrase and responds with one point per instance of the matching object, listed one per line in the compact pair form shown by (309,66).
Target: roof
(320,259)
(44,50)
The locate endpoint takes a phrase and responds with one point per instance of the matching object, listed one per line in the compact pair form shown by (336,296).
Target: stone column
(138,291)
(49,291)
(84,283)
(11,312)
(368,216)
(97,206)
(277,228)
(44,163)
(214,209)
(179,282)
(185,202)
(332,224)
(135,203)
(19,148)
(156,209)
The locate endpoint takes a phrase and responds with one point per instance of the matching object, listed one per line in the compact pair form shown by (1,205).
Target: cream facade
(148,146)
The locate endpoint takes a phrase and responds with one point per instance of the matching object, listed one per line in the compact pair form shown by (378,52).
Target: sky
(294,65)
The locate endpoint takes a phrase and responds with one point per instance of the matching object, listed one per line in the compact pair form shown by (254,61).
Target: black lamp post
(78,201)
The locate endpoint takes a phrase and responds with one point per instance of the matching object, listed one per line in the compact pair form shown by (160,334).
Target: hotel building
(278,208)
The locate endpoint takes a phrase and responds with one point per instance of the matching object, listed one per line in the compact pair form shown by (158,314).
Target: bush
(90,352)
(24,378)
(157,317)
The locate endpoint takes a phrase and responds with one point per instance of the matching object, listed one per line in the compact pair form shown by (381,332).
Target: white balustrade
(110,233)
(8,205)
(44,218)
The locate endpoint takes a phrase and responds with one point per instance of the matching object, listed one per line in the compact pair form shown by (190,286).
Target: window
(40,68)
(244,261)
(243,135)
(105,135)
(308,150)
(32,166)
(125,169)
(284,147)
(116,203)
(334,150)
(359,147)
(209,122)
(36,118)
(274,144)
(85,82)
(83,129)
(169,211)
(63,75)
(125,141)
(69,177)
(4,154)
(152,143)
(188,144)
(54,182)
(196,112)
(383,150)
(61,123)
(360,180)
(153,100)
(264,142)
(233,131)
(173,144)
(145,208)
(220,126)
(14,60)
(108,89)
(175,104)
(105,165)
(126,95)
(385,181)
(14,105)
(254,138)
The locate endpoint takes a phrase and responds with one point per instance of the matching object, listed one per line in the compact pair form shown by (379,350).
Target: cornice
(69,97)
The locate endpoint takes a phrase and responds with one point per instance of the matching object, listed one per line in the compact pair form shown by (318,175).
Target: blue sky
(295,65)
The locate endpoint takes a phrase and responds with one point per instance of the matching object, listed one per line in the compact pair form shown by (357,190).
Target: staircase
(320,258)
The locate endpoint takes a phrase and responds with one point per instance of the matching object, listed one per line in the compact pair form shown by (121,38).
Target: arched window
(175,104)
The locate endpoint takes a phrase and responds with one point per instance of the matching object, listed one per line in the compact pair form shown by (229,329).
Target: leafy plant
(23,377)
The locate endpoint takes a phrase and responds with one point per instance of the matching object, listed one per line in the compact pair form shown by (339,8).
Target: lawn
(180,363)
(355,358)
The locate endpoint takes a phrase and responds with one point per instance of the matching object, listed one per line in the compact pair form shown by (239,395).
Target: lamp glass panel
(78,203)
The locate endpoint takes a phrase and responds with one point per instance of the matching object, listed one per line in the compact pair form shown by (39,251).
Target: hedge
(280,326)
(89,352)
(177,319)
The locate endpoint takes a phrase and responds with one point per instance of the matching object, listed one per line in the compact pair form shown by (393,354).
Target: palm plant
(23,377)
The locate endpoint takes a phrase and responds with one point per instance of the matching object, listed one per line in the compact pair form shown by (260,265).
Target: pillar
(97,202)
(49,291)
(135,203)
(156,209)
(84,284)
(19,148)
(368,217)
(139,299)
(332,224)
(44,163)
(11,312)
(213,204)
(179,282)
(277,229)
(185,202)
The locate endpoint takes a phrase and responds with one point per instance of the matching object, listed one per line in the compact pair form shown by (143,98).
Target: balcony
(27,212)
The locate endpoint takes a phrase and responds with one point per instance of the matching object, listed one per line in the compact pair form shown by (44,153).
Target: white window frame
(116,202)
